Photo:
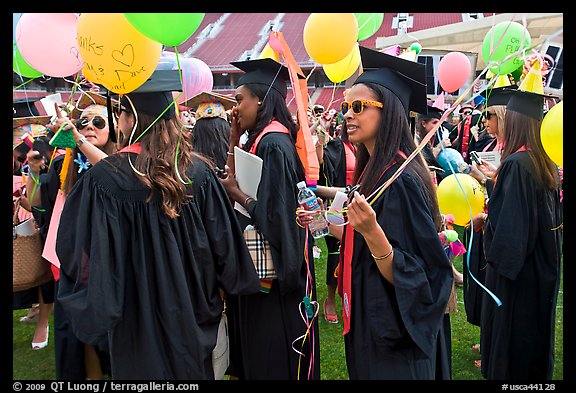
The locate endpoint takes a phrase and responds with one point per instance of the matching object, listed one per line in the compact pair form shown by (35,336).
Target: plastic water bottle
(308,201)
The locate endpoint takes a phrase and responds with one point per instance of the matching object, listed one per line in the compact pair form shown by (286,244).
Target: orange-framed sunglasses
(358,105)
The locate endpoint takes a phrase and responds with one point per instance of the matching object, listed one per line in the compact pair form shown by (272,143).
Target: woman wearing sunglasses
(394,276)
(493,118)
(74,358)
(153,224)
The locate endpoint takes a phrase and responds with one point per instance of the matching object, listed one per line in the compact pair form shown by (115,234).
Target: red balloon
(453,71)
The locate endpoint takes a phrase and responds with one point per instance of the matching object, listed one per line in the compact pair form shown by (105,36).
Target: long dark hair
(393,134)
(210,136)
(521,130)
(273,108)
(157,159)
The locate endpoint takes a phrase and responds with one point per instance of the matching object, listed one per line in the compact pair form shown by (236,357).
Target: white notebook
(248,173)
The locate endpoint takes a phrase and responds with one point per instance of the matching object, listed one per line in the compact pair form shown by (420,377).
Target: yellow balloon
(270,53)
(330,37)
(451,199)
(116,55)
(343,69)
(551,133)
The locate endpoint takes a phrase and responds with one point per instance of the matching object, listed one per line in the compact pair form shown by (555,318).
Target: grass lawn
(29,364)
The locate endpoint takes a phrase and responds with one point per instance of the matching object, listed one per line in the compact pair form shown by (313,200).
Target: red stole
(350,161)
(133,148)
(466,136)
(274,126)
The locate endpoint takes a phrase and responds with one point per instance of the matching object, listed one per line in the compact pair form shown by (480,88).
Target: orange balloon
(116,55)
(329,37)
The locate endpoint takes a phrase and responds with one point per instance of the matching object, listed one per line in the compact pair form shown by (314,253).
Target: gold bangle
(229,153)
(383,257)
(246,201)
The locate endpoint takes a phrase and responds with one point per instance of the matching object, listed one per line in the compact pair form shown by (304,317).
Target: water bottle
(308,201)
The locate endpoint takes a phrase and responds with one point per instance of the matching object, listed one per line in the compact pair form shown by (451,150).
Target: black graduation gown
(394,328)
(523,255)
(268,323)
(476,263)
(333,169)
(148,282)
(484,139)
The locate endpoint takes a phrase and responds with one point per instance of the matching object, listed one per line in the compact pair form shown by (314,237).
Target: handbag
(260,252)
(221,352)
(29,269)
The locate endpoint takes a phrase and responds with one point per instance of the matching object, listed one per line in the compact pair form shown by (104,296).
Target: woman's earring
(259,102)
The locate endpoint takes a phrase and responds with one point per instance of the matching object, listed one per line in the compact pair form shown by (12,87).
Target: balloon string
(469,251)
(304,315)
(378,191)
(174,101)
(23,84)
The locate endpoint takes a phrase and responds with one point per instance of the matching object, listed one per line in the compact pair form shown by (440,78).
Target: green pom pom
(451,235)
(63,139)
(416,47)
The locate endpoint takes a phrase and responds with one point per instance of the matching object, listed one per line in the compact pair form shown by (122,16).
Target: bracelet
(384,257)
(81,141)
(230,154)
(246,201)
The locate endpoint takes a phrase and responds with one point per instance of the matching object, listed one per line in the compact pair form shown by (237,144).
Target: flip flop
(478,363)
(330,318)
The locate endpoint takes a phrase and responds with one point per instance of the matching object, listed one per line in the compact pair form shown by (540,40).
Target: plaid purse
(260,252)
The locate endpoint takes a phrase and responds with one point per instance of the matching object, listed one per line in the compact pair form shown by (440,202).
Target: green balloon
(368,24)
(166,28)
(20,66)
(505,39)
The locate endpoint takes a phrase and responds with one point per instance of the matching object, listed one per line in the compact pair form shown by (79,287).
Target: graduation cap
(25,107)
(528,98)
(405,79)
(32,125)
(210,104)
(498,95)
(432,112)
(527,103)
(154,96)
(267,72)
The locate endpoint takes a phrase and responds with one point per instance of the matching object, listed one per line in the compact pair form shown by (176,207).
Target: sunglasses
(487,115)
(97,121)
(358,105)
(466,113)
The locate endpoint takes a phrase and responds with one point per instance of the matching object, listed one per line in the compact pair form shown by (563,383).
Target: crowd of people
(146,219)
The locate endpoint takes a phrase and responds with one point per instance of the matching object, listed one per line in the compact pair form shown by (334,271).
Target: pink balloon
(453,71)
(47,41)
(196,78)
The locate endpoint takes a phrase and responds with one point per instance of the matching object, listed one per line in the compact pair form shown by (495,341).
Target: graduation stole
(466,136)
(345,265)
(350,161)
(133,148)
(273,126)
